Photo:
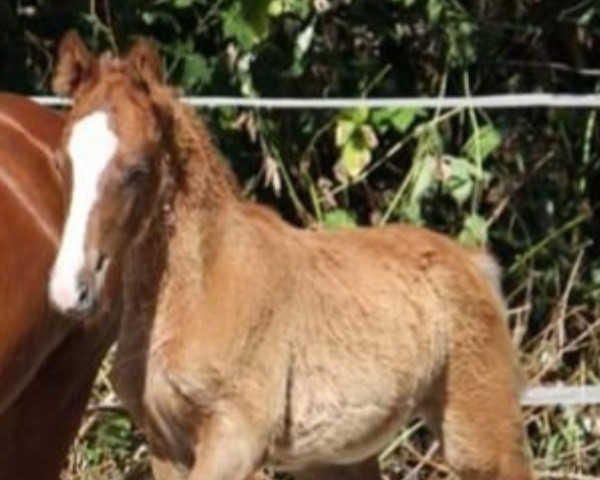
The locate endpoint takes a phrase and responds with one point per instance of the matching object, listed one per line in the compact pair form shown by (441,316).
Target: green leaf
(236,26)
(398,118)
(380,117)
(167,20)
(474,231)
(461,42)
(299,8)
(301,48)
(460,181)
(256,13)
(343,131)
(356,115)
(303,41)
(595,275)
(403,118)
(462,168)
(411,212)
(460,176)
(338,218)
(183,3)
(369,136)
(425,178)
(356,154)
(197,71)
(489,140)
(276,8)
(434,10)
(460,189)
(425,162)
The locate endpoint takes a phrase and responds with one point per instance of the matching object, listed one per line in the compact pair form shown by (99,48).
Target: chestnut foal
(246,342)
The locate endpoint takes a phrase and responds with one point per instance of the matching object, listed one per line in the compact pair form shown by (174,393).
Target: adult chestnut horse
(246,342)
(47,363)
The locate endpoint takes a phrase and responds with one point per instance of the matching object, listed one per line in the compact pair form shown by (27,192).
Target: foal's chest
(169,415)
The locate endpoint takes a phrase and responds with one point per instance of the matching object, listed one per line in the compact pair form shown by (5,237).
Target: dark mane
(201,165)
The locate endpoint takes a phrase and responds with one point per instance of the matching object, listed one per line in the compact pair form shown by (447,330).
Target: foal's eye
(133,176)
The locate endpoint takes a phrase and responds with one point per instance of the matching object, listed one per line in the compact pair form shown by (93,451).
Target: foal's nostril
(85,298)
(84,293)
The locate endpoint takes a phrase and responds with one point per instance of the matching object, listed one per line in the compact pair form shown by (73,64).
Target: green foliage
(482,143)
(112,434)
(399,119)
(245,27)
(338,219)
(474,231)
(356,139)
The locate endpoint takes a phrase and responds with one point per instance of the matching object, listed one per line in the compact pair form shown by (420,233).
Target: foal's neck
(202,187)
(202,179)
(182,235)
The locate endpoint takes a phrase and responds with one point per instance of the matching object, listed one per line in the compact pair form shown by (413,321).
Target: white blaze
(91,146)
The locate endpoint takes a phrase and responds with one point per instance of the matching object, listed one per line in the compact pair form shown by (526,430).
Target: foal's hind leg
(366,470)
(478,416)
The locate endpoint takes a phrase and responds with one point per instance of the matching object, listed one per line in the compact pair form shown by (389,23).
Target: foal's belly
(329,427)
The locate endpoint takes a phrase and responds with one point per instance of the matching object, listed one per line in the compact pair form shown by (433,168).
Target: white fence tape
(533,100)
(561,395)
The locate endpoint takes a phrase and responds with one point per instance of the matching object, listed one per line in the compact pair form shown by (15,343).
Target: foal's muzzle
(77,295)
(81,302)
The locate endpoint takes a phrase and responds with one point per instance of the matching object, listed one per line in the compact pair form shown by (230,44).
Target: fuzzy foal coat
(247,342)
(310,348)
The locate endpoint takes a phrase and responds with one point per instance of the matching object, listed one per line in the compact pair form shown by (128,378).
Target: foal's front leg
(227,449)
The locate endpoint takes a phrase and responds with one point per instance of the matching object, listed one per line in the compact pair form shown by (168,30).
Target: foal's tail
(492,272)
(489,267)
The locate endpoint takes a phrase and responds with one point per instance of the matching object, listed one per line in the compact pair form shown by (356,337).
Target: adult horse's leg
(37,429)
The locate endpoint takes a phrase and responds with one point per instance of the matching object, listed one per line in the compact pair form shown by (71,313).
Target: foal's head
(113,139)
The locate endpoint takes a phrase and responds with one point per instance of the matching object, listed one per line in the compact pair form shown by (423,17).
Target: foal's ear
(75,65)
(145,62)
